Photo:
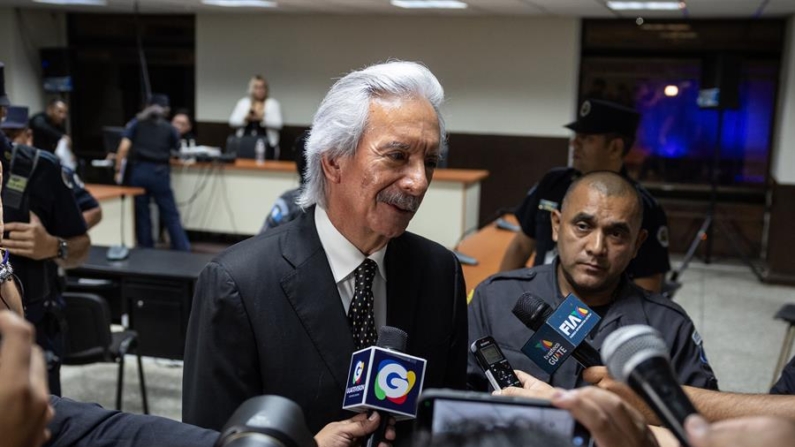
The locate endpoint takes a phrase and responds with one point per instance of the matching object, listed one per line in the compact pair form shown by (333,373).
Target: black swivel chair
(89,339)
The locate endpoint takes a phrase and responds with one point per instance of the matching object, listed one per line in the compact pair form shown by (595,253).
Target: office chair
(89,339)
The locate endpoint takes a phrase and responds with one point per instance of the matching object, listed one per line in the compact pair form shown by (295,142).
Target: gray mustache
(403,201)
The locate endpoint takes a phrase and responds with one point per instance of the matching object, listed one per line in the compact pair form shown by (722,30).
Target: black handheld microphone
(533,312)
(393,339)
(638,356)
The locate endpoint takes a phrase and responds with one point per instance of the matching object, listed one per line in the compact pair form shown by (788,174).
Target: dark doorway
(108,88)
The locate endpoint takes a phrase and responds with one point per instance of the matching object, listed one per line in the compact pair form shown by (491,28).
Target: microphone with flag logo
(558,334)
(385,379)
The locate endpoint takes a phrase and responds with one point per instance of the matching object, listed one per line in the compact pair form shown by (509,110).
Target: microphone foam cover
(392,338)
(627,347)
(531,310)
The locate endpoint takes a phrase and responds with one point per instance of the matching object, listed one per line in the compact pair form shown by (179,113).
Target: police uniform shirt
(51,198)
(534,215)
(284,210)
(490,314)
(152,140)
(85,201)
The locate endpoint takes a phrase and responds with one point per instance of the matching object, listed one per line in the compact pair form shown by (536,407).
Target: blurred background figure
(184,125)
(258,114)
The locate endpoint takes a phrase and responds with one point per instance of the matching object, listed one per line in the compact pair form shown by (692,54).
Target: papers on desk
(200,151)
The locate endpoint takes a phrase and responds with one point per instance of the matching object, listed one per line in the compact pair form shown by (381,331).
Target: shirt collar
(343,256)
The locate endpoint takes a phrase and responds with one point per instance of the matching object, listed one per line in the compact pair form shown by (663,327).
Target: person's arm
(78,424)
(273,115)
(31,240)
(121,157)
(518,252)
(240,112)
(348,433)
(713,405)
(92,216)
(651,283)
(744,432)
(23,385)
(221,358)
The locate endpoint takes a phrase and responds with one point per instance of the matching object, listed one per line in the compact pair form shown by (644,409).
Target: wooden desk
(488,247)
(114,210)
(235,198)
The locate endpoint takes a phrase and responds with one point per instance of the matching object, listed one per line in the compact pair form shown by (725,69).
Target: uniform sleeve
(67,219)
(526,212)
(129,129)
(78,424)
(652,256)
(786,383)
(221,362)
(478,328)
(688,358)
(85,201)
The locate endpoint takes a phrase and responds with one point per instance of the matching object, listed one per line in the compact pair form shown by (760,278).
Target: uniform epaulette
(525,274)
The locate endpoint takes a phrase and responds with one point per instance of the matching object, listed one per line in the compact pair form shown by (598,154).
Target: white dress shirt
(344,258)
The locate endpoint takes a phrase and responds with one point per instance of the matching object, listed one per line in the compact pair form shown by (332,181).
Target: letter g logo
(393,381)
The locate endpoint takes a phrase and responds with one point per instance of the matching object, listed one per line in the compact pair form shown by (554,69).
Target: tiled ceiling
(561,8)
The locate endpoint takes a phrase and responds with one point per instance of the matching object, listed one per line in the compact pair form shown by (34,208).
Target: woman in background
(258,114)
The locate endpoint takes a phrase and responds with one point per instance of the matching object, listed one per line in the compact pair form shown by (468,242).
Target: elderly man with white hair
(281,313)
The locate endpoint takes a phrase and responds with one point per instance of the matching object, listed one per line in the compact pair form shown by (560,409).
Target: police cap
(601,117)
(17,118)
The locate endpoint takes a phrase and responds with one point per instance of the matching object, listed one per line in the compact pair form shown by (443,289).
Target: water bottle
(259,151)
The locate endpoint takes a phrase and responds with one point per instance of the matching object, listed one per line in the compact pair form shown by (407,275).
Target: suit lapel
(311,290)
(402,287)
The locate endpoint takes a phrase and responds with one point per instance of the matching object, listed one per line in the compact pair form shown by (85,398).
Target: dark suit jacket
(267,319)
(78,424)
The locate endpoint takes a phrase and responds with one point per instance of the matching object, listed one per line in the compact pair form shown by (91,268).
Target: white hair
(342,117)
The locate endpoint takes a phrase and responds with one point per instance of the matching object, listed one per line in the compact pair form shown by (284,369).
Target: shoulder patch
(662,236)
(525,274)
(547,205)
(67,179)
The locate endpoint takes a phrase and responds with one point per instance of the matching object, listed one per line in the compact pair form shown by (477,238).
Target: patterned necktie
(361,316)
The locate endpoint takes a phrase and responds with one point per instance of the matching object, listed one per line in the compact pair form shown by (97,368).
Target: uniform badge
(699,342)
(585,109)
(547,205)
(67,179)
(662,236)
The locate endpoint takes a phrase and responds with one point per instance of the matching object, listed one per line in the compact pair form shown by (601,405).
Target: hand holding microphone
(382,378)
(638,356)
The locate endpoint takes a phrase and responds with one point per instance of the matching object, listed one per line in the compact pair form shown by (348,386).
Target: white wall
(20,41)
(501,75)
(783,164)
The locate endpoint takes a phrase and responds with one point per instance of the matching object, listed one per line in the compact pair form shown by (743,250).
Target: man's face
(382,185)
(181,123)
(590,152)
(58,112)
(597,236)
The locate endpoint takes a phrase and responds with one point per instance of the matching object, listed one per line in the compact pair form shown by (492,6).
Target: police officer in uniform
(604,133)
(44,230)
(148,142)
(598,231)
(285,209)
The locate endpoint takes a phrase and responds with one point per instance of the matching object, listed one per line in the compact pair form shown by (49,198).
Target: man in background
(604,134)
(49,126)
